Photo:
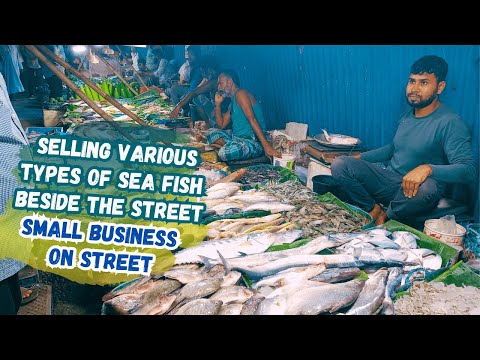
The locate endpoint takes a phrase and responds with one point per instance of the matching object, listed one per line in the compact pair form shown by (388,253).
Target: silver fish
(383,242)
(154,297)
(432,262)
(273,207)
(314,246)
(245,244)
(200,307)
(393,281)
(405,239)
(381,232)
(231,309)
(273,306)
(336,275)
(372,295)
(221,186)
(274,267)
(328,298)
(250,306)
(232,294)
(291,275)
(293,288)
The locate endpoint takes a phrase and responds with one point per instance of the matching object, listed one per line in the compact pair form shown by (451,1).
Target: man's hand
(270,151)
(412,181)
(175,112)
(218,98)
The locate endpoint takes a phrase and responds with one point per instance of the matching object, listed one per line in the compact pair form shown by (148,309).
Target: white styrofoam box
(315,167)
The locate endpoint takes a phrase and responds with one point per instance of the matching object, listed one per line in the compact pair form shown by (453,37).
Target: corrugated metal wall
(358,90)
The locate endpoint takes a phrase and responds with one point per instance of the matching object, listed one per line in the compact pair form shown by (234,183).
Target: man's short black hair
(431,64)
(232,74)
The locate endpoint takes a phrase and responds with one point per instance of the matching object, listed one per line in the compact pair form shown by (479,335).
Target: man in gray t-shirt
(432,147)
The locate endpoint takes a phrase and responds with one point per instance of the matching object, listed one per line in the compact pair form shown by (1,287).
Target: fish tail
(226,264)
(207,262)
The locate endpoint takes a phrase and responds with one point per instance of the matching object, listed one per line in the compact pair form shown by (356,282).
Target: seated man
(432,147)
(246,139)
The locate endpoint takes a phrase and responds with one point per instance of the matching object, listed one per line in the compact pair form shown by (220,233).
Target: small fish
(405,239)
(154,297)
(335,275)
(232,294)
(250,306)
(273,207)
(200,307)
(231,309)
(196,290)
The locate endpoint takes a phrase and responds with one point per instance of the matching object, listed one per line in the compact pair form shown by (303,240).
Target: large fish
(405,239)
(272,306)
(260,271)
(230,248)
(289,276)
(314,246)
(321,299)
(231,309)
(122,304)
(393,282)
(372,295)
(197,290)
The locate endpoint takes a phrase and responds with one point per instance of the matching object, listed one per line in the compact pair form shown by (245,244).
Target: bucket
(286,161)
(430,229)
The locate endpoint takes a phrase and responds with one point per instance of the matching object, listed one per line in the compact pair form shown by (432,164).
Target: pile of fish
(314,217)
(207,279)
(260,175)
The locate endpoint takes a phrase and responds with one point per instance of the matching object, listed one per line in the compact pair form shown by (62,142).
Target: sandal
(33,295)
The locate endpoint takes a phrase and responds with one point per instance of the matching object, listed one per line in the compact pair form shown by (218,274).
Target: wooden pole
(135,71)
(94,86)
(118,74)
(77,91)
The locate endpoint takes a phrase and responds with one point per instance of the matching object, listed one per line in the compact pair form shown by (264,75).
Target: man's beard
(423,103)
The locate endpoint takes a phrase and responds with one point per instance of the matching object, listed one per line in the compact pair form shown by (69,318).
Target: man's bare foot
(381,219)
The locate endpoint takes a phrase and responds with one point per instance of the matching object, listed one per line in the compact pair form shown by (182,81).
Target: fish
(185,276)
(123,303)
(405,239)
(231,309)
(231,279)
(222,186)
(291,275)
(322,299)
(196,290)
(273,207)
(220,194)
(154,297)
(250,306)
(383,242)
(224,206)
(292,288)
(372,295)
(312,247)
(432,262)
(393,282)
(164,303)
(381,232)
(233,247)
(379,257)
(273,267)
(253,198)
(335,275)
(200,307)
(139,286)
(232,294)
(272,306)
